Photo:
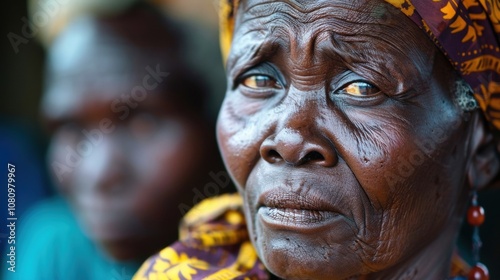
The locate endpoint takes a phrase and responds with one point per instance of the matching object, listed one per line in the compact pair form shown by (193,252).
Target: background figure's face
(340,131)
(125,163)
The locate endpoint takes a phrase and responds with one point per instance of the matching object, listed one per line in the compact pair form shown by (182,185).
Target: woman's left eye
(261,82)
(359,89)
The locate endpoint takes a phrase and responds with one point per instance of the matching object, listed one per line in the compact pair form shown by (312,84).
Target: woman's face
(126,179)
(125,162)
(340,131)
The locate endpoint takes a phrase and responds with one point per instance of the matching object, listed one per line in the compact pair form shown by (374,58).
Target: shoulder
(51,245)
(213,244)
(41,234)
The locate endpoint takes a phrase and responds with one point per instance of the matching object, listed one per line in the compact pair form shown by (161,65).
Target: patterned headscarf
(466,31)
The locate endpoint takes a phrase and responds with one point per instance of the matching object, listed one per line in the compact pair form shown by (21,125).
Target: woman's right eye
(359,89)
(261,82)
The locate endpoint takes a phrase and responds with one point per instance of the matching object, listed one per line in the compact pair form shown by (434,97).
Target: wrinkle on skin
(384,231)
(329,35)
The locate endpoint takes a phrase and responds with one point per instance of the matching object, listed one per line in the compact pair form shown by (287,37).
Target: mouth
(287,210)
(107,224)
(106,229)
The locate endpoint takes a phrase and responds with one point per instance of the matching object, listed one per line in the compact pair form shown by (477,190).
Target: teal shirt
(50,245)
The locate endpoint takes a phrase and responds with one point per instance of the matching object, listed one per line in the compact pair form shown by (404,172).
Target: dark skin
(127,191)
(326,100)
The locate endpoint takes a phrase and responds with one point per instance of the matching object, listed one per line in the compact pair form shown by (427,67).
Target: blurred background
(22,138)
(29,131)
(25,137)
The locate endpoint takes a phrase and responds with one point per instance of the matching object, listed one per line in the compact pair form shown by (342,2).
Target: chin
(130,249)
(120,250)
(290,267)
(291,257)
(316,250)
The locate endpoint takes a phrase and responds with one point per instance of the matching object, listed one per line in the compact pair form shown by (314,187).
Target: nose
(106,168)
(299,147)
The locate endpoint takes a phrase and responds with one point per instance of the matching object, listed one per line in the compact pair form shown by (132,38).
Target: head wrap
(466,31)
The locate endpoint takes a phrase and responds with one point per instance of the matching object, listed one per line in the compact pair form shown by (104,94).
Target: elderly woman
(357,133)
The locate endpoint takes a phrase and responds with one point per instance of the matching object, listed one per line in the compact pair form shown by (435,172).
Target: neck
(433,262)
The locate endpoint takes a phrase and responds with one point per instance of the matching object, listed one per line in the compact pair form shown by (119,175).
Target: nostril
(273,155)
(314,156)
(294,149)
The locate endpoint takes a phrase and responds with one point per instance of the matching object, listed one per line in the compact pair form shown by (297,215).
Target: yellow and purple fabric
(213,245)
(466,31)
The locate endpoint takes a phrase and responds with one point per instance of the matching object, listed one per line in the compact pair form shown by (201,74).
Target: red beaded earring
(475,218)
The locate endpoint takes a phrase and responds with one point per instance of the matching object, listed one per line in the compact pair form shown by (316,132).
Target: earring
(475,218)
(465,97)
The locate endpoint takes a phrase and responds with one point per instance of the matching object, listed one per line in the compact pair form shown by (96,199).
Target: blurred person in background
(132,146)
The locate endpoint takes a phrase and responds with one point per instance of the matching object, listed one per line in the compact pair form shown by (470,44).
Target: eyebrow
(256,51)
(373,59)
(244,59)
(269,14)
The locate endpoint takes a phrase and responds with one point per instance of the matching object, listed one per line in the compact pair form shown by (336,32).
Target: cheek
(168,168)
(410,171)
(239,140)
(171,157)
(422,198)
(416,188)
(59,164)
(389,150)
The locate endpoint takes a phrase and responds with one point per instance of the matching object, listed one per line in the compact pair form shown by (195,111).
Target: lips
(293,211)
(106,227)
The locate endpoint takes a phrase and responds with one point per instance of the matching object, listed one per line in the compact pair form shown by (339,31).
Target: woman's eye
(260,82)
(359,89)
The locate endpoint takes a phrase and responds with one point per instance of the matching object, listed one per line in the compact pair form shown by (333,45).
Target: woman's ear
(484,167)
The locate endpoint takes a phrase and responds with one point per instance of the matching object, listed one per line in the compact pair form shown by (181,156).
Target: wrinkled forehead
(303,16)
(359,35)
(300,22)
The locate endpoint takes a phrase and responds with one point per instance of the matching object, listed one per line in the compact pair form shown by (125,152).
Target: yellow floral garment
(214,245)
